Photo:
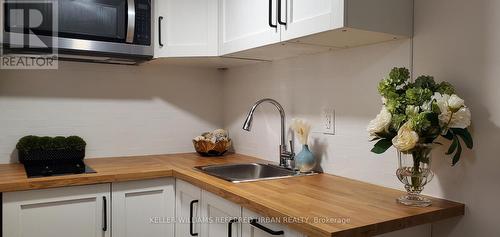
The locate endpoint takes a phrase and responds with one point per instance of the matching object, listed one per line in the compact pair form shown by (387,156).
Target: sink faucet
(285,156)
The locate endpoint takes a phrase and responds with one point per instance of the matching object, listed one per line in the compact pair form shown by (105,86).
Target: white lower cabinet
(187,209)
(255,227)
(123,209)
(162,207)
(81,211)
(220,217)
(143,208)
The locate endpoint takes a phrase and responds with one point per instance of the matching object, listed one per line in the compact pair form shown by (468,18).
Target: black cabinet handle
(279,14)
(191,224)
(230,227)
(160,19)
(271,24)
(254,222)
(104,214)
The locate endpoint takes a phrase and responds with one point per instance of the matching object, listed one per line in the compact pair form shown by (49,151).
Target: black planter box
(40,163)
(41,157)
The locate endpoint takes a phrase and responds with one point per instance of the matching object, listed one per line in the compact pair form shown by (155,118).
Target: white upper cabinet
(143,208)
(186,28)
(306,17)
(222,216)
(307,26)
(245,24)
(82,211)
(275,29)
(187,209)
(352,22)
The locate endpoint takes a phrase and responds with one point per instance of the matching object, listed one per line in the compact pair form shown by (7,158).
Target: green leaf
(465,135)
(375,139)
(381,146)
(457,155)
(453,146)
(448,135)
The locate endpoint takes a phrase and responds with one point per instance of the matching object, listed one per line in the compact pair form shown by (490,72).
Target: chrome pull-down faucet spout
(285,156)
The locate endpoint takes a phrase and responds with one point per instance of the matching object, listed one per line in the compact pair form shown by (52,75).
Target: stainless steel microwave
(95,29)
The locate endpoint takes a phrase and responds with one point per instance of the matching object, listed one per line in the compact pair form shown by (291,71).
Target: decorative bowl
(208,148)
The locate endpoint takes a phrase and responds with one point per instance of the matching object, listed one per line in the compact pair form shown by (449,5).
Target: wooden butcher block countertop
(320,202)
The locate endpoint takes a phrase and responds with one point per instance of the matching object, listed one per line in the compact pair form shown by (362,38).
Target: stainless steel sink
(238,173)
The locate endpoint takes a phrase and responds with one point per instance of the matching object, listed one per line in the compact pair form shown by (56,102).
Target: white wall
(118,110)
(454,41)
(345,80)
(457,41)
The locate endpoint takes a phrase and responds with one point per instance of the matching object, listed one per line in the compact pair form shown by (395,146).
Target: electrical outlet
(326,124)
(328,117)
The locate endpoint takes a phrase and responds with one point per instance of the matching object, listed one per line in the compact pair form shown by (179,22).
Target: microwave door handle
(130,21)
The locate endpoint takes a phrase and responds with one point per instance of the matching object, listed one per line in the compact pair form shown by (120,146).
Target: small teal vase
(304,161)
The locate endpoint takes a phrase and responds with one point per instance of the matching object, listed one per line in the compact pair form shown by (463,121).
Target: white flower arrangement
(302,128)
(419,112)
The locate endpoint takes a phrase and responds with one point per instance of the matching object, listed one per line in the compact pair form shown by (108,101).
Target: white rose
(455,102)
(461,118)
(380,123)
(406,138)
(441,101)
(454,107)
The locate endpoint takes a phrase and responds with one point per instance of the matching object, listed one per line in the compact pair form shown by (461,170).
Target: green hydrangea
(425,82)
(393,95)
(399,76)
(412,110)
(445,88)
(420,123)
(396,104)
(385,87)
(417,95)
(397,121)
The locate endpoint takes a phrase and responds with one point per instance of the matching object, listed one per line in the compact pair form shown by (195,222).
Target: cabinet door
(187,27)
(81,211)
(245,24)
(220,217)
(143,208)
(260,229)
(306,17)
(187,209)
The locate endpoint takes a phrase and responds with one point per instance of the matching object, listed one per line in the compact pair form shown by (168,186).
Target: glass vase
(415,172)
(304,161)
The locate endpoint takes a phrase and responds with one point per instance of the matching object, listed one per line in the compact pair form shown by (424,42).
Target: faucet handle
(292,148)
